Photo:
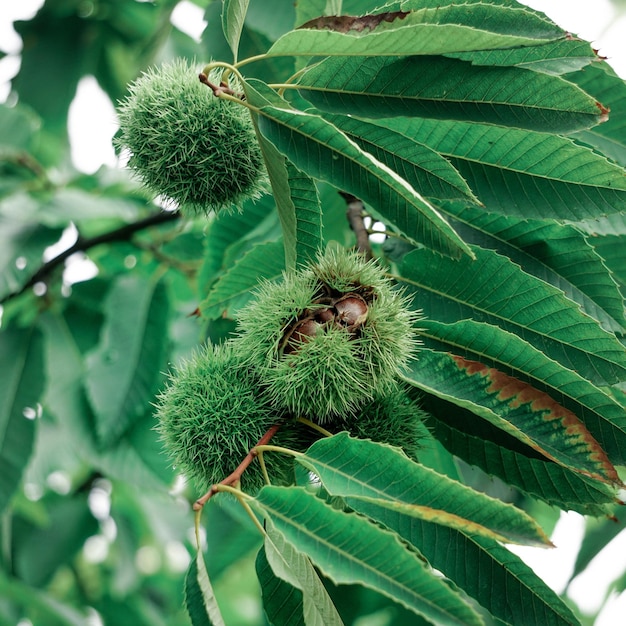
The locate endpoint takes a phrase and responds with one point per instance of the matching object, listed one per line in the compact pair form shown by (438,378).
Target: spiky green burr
(211,414)
(187,145)
(328,338)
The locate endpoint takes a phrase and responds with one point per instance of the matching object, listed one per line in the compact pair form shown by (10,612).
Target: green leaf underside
(124,370)
(224,235)
(610,138)
(493,289)
(236,286)
(200,600)
(423,168)
(515,407)
(526,174)
(434,30)
(21,384)
(282,602)
(371,476)
(296,196)
(308,214)
(560,254)
(449,89)
(296,569)
(555,57)
(547,481)
(602,415)
(233,17)
(318,148)
(350,549)
(496,577)
(66,399)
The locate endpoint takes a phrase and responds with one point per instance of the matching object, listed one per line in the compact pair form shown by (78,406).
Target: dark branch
(354,213)
(124,233)
(234,478)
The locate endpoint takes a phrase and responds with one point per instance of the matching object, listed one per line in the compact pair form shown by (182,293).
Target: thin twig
(124,233)
(354,213)
(235,477)
(221,89)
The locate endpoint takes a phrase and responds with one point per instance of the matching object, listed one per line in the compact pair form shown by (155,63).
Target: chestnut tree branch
(235,477)
(354,213)
(123,233)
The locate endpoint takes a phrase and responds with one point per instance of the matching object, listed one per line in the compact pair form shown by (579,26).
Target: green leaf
(295,568)
(296,196)
(431,30)
(351,468)
(598,534)
(281,601)
(602,81)
(560,254)
(449,89)
(554,57)
(21,251)
(541,479)
(125,369)
(491,574)
(425,170)
(40,553)
(18,126)
(492,289)
(236,287)
(39,601)
(233,17)
(350,549)
(200,600)
(515,407)
(228,236)
(66,399)
(21,385)
(525,174)
(322,151)
(602,415)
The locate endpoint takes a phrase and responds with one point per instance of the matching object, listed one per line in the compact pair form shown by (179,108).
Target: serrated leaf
(492,289)
(295,568)
(350,549)
(308,214)
(541,479)
(282,602)
(235,288)
(21,385)
(603,416)
(560,254)
(525,174)
(602,81)
(554,57)
(322,151)
(297,200)
(227,237)
(233,17)
(497,578)
(371,476)
(424,169)
(123,372)
(200,600)
(515,407)
(449,89)
(430,30)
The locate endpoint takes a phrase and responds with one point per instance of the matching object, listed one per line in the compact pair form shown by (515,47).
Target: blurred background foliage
(100,531)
